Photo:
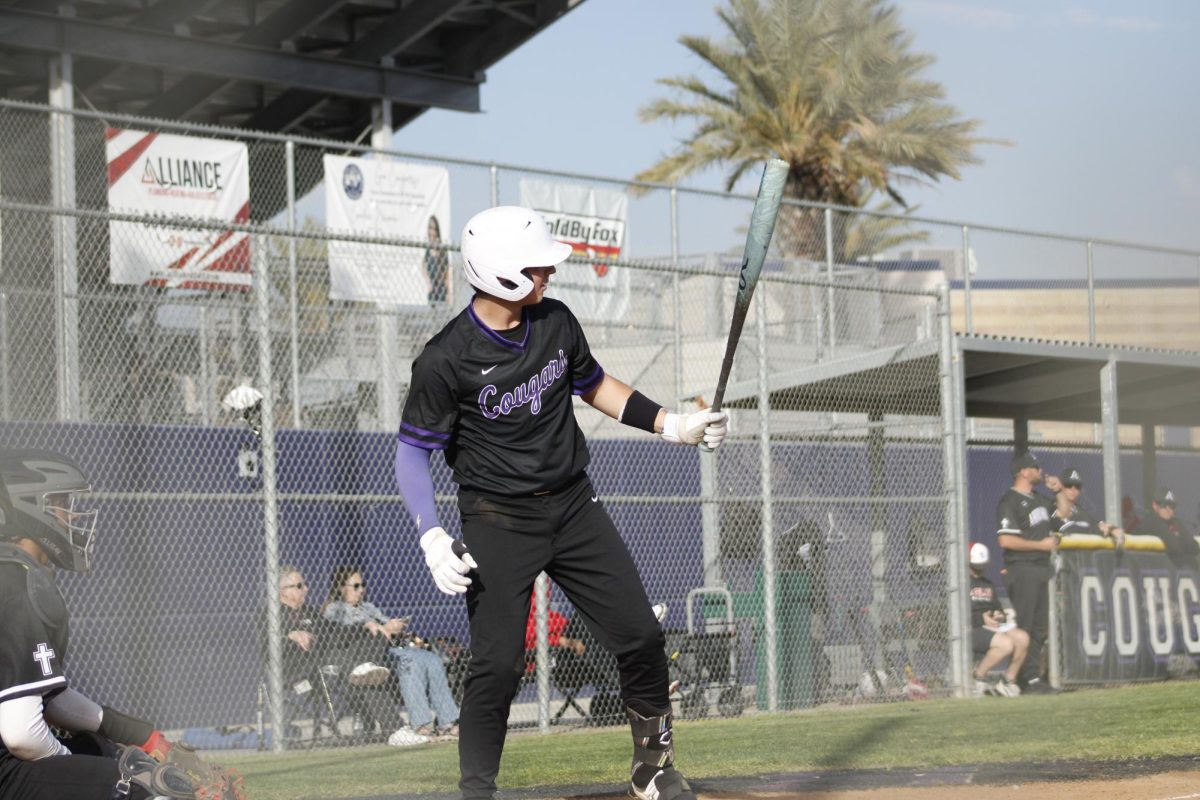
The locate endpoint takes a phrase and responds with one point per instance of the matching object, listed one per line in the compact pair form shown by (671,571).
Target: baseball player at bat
(492,391)
(105,754)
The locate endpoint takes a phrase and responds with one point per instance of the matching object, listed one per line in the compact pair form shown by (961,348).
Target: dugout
(988,377)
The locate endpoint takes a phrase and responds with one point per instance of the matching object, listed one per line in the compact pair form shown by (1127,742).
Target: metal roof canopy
(312,67)
(1002,377)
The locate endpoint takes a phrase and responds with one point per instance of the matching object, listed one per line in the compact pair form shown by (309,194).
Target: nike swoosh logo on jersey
(595,498)
(489,369)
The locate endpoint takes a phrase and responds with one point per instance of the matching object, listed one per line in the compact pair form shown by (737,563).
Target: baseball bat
(758,240)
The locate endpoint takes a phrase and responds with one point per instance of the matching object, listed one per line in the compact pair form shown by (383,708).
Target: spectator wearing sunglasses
(1179,540)
(311,642)
(421,673)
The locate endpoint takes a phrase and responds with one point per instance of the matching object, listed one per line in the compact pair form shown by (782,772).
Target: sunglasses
(300,585)
(362,585)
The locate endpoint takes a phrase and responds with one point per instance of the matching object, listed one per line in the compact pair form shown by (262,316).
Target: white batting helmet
(979,554)
(500,242)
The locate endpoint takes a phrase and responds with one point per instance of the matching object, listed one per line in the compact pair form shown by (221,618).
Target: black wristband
(124,729)
(640,412)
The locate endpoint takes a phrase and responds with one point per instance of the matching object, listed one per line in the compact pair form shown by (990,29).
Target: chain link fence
(811,560)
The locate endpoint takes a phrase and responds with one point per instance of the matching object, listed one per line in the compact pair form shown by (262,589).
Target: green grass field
(1108,724)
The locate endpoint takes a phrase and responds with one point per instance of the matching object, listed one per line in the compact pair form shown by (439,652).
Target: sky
(1094,98)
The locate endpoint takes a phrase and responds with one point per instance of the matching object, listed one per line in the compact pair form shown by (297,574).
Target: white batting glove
(702,426)
(448,570)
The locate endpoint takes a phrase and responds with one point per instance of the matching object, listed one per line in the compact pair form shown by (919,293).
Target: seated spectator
(423,683)
(310,642)
(1179,540)
(580,660)
(1069,515)
(992,636)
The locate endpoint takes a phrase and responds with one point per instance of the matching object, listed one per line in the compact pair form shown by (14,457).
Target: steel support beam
(1110,419)
(396,32)
(287,21)
(1149,466)
(234,61)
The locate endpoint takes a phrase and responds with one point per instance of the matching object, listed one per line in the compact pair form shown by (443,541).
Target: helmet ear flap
(500,242)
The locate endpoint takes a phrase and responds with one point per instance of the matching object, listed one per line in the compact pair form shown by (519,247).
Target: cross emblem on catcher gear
(43,655)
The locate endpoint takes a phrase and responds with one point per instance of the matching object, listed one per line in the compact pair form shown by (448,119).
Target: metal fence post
(966,257)
(1110,419)
(206,388)
(293,303)
(1091,296)
(676,303)
(387,322)
(770,627)
(5,408)
(66,266)
(953,478)
(831,314)
(262,296)
(541,599)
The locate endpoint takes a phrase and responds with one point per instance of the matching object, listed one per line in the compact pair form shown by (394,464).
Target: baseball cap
(1165,497)
(1071,477)
(1022,461)
(979,554)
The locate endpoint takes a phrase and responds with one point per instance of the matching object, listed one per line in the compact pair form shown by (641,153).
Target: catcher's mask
(40,499)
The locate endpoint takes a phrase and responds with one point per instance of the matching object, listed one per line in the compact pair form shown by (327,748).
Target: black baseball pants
(89,773)
(1028,586)
(568,534)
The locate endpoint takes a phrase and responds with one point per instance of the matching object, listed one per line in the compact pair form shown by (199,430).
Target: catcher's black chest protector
(44,596)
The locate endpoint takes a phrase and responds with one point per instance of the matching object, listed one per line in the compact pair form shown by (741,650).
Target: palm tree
(831,87)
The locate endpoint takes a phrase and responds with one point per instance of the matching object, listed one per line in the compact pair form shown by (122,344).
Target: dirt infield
(1144,779)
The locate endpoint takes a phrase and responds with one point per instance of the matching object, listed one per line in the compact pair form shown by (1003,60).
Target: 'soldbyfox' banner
(592,221)
(186,176)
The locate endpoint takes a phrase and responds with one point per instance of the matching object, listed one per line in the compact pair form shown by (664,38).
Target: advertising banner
(388,198)
(188,176)
(1125,614)
(593,222)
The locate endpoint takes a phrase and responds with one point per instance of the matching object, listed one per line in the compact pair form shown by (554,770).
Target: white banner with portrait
(394,199)
(186,176)
(593,222)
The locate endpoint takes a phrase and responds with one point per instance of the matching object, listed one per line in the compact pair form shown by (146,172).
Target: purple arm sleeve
(416,485)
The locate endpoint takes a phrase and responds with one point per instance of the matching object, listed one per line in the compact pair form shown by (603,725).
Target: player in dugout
(493,392)
(106,754)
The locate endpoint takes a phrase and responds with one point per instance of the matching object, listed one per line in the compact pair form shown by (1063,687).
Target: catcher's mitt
(212,782)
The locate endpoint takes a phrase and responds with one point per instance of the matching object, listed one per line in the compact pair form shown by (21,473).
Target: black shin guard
(653,775)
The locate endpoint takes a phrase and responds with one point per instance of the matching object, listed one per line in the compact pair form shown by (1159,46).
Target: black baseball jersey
(1078,521)
(1176,537)
(499,403)
(31,650)
(1027,516)
(983,599)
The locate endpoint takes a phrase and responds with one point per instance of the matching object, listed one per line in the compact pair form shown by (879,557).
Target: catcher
(105,754)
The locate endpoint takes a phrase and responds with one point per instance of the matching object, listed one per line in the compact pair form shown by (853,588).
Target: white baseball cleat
(406,737)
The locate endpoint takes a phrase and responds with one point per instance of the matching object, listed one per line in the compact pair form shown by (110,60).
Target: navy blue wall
(164,625)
